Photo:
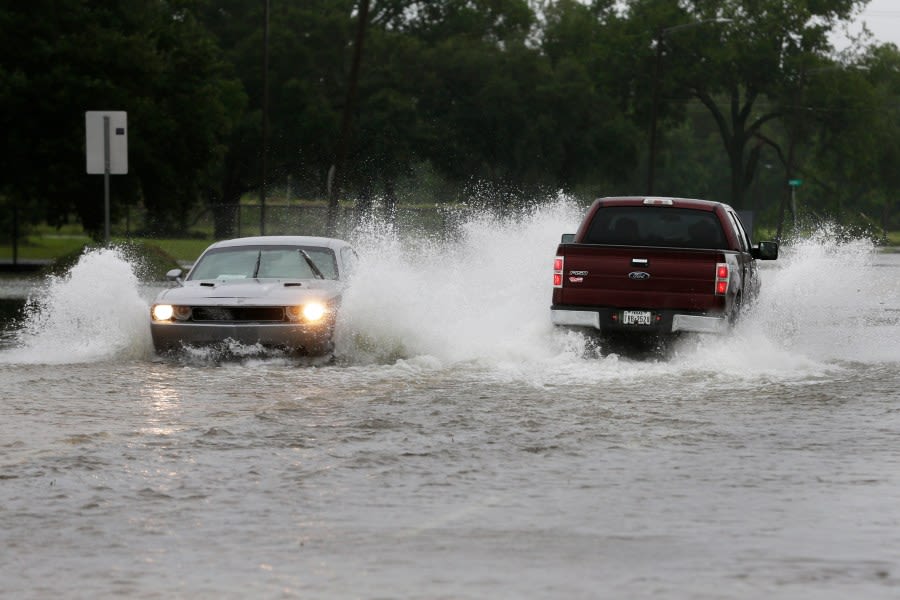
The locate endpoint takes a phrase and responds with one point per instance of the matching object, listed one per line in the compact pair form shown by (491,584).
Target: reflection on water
(162,398)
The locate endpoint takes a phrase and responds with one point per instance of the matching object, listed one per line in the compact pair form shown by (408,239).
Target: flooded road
(459,447)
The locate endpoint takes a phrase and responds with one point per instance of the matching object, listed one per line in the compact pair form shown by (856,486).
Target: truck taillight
(721,279)
(558,272)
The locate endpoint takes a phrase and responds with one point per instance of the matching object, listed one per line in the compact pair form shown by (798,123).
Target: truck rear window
(656,226)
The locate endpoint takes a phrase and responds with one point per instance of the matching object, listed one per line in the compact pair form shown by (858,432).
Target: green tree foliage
(516,96)
(153,60)
(742,60)
(853,150)
(587,97)
(308,62)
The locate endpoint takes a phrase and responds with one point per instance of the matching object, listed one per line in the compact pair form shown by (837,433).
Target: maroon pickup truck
(656,266)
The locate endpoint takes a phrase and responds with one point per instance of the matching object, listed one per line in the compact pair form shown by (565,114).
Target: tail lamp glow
(558,272)
(721,279)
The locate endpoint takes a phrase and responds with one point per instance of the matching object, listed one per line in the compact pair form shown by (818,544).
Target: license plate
(636,317)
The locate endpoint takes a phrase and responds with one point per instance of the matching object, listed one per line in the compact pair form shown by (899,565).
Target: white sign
(106,131)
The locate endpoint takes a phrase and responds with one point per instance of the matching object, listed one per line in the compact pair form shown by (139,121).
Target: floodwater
(458,446)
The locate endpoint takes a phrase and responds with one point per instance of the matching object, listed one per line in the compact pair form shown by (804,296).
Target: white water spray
(482,300)
(483,296)
(93,313)
(833,298)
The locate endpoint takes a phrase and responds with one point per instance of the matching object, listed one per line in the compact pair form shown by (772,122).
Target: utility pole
(265,120)
(335,173)
(654,112)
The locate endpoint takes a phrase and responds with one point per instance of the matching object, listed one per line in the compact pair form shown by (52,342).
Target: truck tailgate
(638,276)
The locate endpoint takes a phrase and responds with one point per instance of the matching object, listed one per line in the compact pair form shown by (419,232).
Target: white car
(275,291)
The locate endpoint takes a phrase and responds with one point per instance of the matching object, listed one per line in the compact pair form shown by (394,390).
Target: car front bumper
(607,320)
(171,336)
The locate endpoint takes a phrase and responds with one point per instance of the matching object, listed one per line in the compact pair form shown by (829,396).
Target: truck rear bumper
(664,321)
(698,323)
(575,318)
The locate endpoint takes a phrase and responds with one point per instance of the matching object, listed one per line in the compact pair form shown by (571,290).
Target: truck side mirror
(567,238)
(765,251)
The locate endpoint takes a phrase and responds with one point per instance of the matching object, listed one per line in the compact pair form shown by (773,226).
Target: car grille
(237,313)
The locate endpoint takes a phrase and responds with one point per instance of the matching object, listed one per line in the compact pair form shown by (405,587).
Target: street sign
(106,142)
(795,182)
(106,147)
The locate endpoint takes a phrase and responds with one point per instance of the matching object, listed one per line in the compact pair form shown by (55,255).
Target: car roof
(694,203)
(282,240)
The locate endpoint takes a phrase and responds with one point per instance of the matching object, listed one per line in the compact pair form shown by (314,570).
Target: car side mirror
(567,238)
(766,251)
(174,275)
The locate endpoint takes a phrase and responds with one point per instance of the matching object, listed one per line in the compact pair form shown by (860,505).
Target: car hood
(248,292)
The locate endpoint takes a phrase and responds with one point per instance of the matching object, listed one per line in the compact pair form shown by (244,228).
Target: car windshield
(264,262)
(656,226)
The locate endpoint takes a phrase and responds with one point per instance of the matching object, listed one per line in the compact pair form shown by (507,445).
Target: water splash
(483,299)
(480,296)
(480,299)
(832,297)
(92,313)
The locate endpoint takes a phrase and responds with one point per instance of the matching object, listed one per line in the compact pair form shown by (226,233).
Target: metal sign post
(794,183)
(106,149)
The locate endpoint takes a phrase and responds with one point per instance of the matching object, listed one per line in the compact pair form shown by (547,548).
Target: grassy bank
(48,244)
(43,242)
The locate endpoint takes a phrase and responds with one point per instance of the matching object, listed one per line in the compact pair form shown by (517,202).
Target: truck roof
(659,200)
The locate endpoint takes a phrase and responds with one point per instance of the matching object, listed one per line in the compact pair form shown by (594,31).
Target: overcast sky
(882,17)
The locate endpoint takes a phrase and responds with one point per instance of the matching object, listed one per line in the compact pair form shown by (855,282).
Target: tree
(587,95)
(853,153)
(744,67)
(59,59)
(308,66)
(472,87)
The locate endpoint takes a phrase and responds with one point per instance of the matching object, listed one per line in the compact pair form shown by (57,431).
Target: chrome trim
(698,324)
(577,318)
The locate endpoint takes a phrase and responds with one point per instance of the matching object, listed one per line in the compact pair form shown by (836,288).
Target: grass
(38,247)
(183,250)
(49,243)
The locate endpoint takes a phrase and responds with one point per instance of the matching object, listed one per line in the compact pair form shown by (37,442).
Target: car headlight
(311,312)
(162,312)
(165,312)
